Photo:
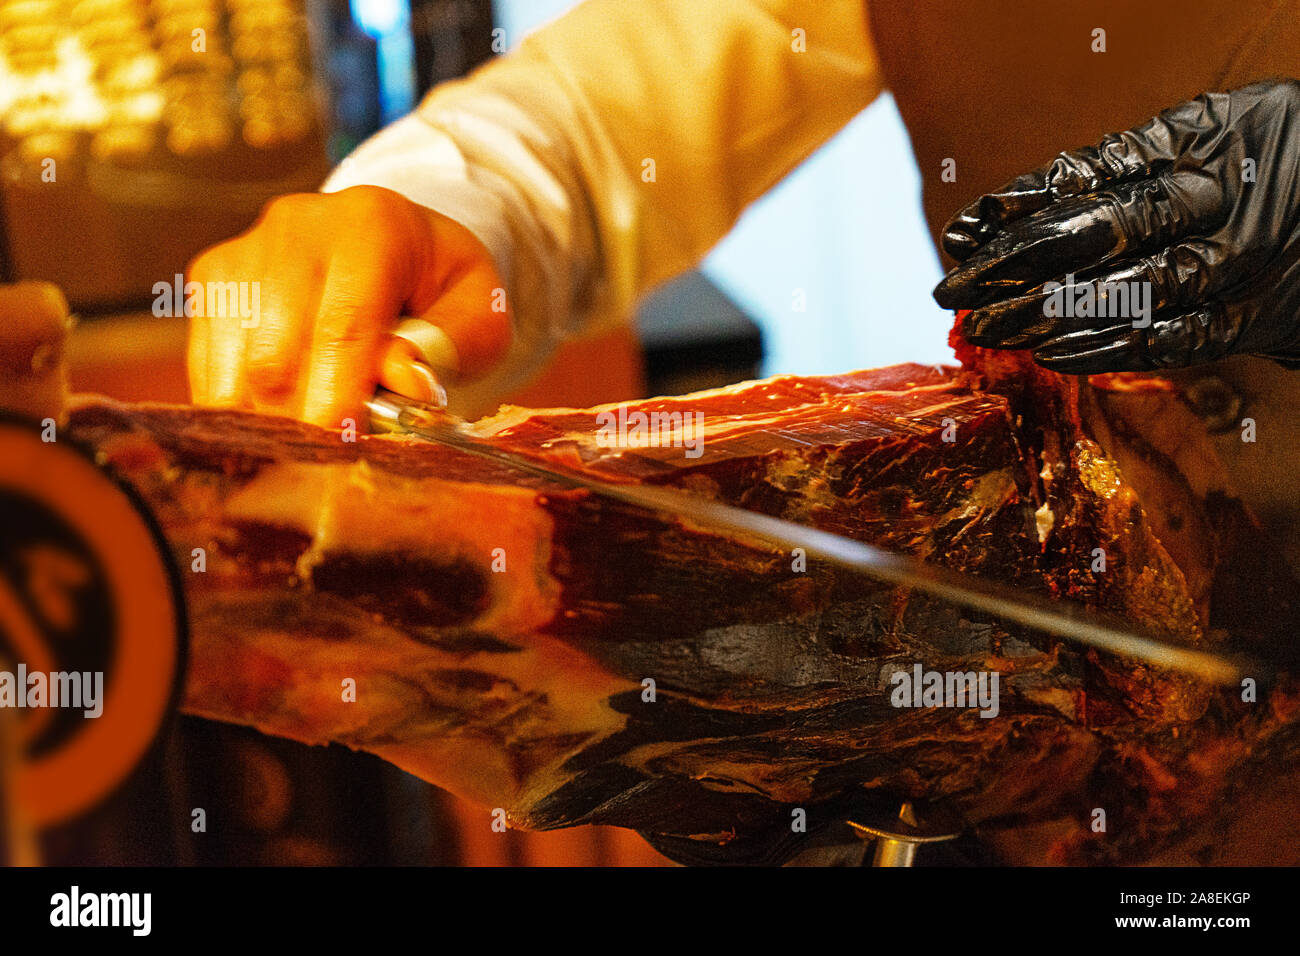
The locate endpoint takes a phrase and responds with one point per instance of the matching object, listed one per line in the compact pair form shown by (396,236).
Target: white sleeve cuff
(425,165)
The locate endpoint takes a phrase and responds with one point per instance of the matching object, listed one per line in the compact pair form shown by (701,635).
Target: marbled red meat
(500,629)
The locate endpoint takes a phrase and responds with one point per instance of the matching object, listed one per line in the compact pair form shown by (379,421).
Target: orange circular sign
(92,625)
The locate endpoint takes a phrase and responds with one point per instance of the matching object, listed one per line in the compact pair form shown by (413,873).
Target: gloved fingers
(1077,172)
(979,221)
(1020,322)
(1117,347)
(1031,252)
(1079,233)
(1135,289)
(1195,212)
(1176,340)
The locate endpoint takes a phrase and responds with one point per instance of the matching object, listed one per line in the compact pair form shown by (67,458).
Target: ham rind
(501,632)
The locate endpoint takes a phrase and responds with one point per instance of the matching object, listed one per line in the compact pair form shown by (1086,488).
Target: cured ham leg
(573,661)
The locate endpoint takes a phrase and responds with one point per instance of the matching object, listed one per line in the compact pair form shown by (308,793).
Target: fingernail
(432,391)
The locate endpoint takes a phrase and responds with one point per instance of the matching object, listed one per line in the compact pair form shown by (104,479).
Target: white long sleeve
(617,145)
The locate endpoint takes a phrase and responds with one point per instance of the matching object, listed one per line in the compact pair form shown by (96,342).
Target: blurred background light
(388,22)
(379,18)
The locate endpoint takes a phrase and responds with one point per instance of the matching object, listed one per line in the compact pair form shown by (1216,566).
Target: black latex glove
(1165,203)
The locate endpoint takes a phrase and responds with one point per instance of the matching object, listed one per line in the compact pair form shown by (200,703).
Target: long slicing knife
(396,414)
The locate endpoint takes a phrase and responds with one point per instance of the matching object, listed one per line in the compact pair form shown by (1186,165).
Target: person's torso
(1001,86)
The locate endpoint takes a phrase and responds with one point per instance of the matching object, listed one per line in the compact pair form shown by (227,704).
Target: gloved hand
(1202,204)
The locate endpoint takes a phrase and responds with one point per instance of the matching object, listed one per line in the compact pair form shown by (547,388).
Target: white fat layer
(357,509)
(1045,520)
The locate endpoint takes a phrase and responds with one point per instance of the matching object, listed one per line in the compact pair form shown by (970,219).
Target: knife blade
(1062,618)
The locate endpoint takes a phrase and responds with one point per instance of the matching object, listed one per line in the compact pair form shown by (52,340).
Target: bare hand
(331,275)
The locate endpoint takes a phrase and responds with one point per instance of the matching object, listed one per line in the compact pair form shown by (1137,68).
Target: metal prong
(896,841)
